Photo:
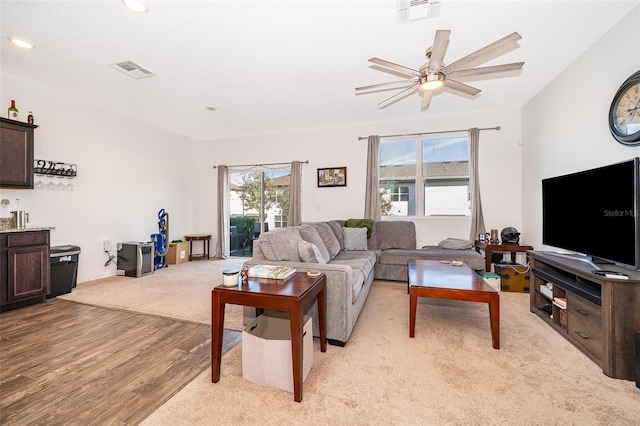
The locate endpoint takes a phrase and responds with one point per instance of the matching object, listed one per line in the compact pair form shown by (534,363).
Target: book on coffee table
(271,271)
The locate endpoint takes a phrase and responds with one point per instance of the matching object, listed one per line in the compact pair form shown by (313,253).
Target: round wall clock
(624,114)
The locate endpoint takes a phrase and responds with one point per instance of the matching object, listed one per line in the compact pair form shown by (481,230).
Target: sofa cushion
(400,256)
(309,252)
(328,238)
(280,244)
(360,223)
(397,234)
(472,258)
(355,238)
(310,233)
(336,227)
(361,263)
(455,244)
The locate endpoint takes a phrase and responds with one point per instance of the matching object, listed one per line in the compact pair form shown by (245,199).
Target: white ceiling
(277,66)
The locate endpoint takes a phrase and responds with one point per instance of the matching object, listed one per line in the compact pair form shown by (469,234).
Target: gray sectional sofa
(351,258)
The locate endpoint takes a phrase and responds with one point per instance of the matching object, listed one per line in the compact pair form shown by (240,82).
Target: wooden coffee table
(430,278)
(292,295)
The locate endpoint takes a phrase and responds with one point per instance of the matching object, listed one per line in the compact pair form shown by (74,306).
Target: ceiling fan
(435,74)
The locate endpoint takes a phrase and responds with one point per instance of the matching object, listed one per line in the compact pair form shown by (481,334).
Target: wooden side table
(293,295)
(206,240)
(490,248)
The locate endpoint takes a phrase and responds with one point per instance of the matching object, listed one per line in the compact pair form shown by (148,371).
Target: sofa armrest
(339,294)
(338,276)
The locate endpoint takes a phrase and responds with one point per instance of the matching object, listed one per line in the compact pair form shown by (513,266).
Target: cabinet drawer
(18,239)
(584,324)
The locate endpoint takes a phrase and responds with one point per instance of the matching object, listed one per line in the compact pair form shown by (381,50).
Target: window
(401,193)
(280,221)
(438,184)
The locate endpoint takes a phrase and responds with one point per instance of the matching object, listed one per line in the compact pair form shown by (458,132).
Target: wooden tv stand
(602,314)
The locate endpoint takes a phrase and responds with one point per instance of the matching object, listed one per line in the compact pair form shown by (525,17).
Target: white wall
(336,147)
(565,127)
(127,172)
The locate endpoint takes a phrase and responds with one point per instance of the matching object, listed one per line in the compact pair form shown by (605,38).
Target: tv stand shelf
(602,314)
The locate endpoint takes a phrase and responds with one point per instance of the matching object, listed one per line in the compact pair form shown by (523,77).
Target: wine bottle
(13,111)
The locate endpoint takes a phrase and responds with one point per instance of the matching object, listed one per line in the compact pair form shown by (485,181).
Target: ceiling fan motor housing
(432,81)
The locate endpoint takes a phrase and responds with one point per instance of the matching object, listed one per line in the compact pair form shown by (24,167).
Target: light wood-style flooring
(64,363)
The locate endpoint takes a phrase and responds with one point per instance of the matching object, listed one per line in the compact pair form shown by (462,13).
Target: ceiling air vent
(410,10)
(132,69)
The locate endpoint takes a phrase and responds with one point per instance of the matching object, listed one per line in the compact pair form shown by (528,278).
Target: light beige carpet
(179,291)
(449,374)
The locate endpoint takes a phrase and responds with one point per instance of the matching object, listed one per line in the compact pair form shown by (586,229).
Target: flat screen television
(595,213)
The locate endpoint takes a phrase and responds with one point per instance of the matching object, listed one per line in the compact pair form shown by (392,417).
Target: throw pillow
(455,244)
(355,239)
(360,223)
(310,234)
(309,252)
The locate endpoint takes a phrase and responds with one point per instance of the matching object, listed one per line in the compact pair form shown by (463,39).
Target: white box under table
(266,351)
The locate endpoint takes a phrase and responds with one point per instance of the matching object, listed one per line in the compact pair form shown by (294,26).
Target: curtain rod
(264,164)
(429,133)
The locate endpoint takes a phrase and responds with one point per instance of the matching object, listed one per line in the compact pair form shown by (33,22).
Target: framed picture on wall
(332,176)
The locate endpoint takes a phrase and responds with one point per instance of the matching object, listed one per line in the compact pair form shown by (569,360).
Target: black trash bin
(64,269)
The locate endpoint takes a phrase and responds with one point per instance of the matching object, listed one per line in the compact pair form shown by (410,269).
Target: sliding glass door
(258,202)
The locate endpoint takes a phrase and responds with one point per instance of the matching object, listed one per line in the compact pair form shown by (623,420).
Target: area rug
(449,374)
(180,291)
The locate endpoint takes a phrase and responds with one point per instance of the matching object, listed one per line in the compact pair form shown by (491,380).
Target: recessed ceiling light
(136,5)
(210,108)
(21,42)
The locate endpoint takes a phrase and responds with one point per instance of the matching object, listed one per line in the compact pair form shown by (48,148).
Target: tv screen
(595,213)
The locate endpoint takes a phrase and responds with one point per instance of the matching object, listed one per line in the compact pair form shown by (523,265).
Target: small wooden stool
(206,240)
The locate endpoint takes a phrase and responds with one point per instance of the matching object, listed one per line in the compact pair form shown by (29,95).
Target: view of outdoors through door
(258,202)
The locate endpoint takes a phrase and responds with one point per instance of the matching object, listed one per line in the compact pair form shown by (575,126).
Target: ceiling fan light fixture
(432,81)
(136,6)
(21,42)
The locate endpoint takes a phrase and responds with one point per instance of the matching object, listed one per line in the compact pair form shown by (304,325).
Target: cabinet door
(28,272)
(16,155)
(585,325)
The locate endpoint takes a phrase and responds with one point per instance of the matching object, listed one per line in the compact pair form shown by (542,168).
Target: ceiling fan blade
(438,49)
(398,95)
(486,70)
(461,87)
(392,83)
(481,52)
(426,98)
(401,68)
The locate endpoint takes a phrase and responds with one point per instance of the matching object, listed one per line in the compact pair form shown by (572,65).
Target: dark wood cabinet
(16,154)
(24,268)
(602,314)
